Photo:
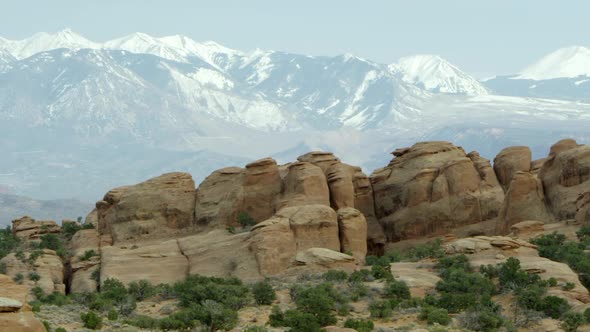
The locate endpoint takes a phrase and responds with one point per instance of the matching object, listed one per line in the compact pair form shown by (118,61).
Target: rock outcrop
(15,314)
(524,201)
(157,206)
(47,265)
(565,176)
(353,233)
(431,188)
(83,243)
(511,160)
(28,228)
(583,209)
(219,197)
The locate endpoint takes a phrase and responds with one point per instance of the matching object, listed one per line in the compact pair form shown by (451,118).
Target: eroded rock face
(326,258)
(157,262)
(304,183)
(511,160)
(565,176)
(273,243)
(15,313)
(159,205)
(353,233)
(583,209)
(430,188)
(219,197)
(313,226)
(81,280)
(30,229)
(262,186)
(524,201)
(48,266)
(364,202)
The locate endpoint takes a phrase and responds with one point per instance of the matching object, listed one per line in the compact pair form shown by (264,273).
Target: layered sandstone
(28,228)
(511,160)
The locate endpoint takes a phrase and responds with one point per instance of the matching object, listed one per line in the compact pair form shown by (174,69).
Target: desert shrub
(255,329)
(360,325)
(35,306)
(357,290)
(276,317)
(68,229)
(434,315)
(141,290)
(88,254)
(34,276)
(431,249)
(3,268)
(489,271)
(60,329)
(483,317)
(46,325)
(114,290)
(552,282)
(571,321)
(587,315)
(381,272)
(583,233)
(300,321)
(376,260)
(50,241)
(143,322)
(335,275)
(461,289)
(8,242)
(56,298)
(553,306)
(319,301)
(101,304)
(215,315)
(569,286)
(95,275)
(380,309)
(246,220)
(18,278)
(512,277)
(263,293)
(360,276)
(228,291)
(91,320)
(171,324)
(113,315)
(397,290)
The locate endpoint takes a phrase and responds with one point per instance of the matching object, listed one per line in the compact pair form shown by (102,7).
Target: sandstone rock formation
(431,188)
(565,176)
(583,209)
(29,229)
(86,240)
(159,205)
(353,233)
(326,258)
(304,184)
(524,201)
(15,313)
(48,266)
(511,160)
(219,197)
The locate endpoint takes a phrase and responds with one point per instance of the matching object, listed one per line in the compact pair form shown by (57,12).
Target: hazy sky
(481,37)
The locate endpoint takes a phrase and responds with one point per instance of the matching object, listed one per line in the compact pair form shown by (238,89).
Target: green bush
(228,291)
(35,306)
(263,293)
(319,301)
(397,290)
(360,325)
(255,329)
(301,321)
(141,290)
(113,315)
(569,286)
(8,242)
(380,309)
(143,322)
(34,255)
(276,317)
(60,329)
(3,268)
(34,276)
(554,306)
(246,220)
(68,229)
(88,254)
(91,320)
(571,321)
(583,233)
(360,276)
(114,290)
(335,275)
(18,278)
(46,325)
(552,282)
(434,315)
(381,272)
(587,315)
(50,241)
(358,290)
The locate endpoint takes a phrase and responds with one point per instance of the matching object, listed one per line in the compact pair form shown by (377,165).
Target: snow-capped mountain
(79,117)
(435,74)
(562,74)
(43,41)
(567,62)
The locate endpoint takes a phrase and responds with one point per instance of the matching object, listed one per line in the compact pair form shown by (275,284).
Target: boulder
(304,184)
(9,305)
(320,158)
(273,243)
(158,206)
(511,160)
(156,262)
(432,188)
(340,180)
(565,176)
(219,197)
(583,209)
(261,187)
(353,233)
(524,201)
(526,227)
(325,258)
(313,226)
(30,229)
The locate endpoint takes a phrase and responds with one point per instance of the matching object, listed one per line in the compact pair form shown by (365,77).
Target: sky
(484,38)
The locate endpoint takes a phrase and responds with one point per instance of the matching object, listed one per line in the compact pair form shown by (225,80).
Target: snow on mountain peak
(565,62)
(436,74)
(44,41)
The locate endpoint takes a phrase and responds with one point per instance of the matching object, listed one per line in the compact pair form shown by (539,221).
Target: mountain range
(79,117)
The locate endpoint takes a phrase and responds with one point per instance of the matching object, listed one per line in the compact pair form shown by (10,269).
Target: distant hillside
(14,206)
